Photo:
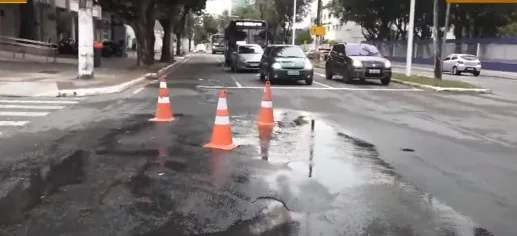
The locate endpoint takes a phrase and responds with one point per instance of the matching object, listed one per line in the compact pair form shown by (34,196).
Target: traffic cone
(163,108)
(266,117)
(222,137)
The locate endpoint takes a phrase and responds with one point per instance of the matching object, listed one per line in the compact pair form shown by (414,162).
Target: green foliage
(303,37)
(210,25)
(509,30)
(223,20)
(388,19)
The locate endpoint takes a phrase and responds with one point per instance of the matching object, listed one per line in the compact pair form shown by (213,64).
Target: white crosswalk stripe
(21,112)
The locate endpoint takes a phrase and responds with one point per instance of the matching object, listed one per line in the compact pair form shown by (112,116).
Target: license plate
(374,71)
(293,72)
(470,68)
(254,64)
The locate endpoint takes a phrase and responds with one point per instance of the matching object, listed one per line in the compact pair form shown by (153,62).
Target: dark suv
(358,60)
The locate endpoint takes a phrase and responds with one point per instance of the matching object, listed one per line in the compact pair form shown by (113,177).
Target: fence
(495,54)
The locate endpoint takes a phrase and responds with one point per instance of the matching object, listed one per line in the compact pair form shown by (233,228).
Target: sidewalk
(33,76)
(427,68)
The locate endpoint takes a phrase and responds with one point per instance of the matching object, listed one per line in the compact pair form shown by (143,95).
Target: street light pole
(294,22)
(409,51)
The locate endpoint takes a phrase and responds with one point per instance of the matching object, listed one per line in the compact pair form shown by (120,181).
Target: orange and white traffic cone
(266,117)
(163,108)
(222,137)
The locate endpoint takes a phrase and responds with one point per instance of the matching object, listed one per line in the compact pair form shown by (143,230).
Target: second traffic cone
(266,116)
(163,108)
(222,137)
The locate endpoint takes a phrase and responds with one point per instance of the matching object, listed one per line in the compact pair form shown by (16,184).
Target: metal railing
(26,46)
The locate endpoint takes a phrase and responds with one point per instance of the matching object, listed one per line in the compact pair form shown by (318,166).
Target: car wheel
(455,71)
(386,81)
(308,81)
(328,74)
(476,73)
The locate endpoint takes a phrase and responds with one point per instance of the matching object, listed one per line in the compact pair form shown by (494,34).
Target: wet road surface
(376,161)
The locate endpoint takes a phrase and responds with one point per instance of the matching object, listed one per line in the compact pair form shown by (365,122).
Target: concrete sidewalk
(428,68)
(34,77)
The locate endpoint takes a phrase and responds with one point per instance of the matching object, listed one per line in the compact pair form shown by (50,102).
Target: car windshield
(290,51)
(469,57)
(250,49)
(362,50)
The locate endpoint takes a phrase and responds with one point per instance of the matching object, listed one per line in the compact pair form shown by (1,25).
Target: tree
(223,20)
(304,36)
(284,15)
(166,12)
(210,25)
(186,7)
(140,15)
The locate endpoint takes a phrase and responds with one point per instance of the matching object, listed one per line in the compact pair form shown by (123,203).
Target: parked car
(200,48)
(286,62)
(358,60)
(247,57)
(459,63)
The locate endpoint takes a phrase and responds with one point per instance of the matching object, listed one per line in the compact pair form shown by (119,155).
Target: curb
(440,89)
(82,92)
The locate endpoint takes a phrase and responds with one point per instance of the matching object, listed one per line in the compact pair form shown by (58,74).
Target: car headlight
(357,63)
(308,64)
(276,66)
(387,64)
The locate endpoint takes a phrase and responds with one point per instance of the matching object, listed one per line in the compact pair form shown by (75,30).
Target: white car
(200,48)
(460,63)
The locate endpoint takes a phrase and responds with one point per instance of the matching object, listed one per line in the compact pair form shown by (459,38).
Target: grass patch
(433,82)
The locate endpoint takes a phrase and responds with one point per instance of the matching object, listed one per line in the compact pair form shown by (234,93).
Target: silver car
(247,57)
(460,63)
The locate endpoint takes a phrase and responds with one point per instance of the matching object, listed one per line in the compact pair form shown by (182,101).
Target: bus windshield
(217,40)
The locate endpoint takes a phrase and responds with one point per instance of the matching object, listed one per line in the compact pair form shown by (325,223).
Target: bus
(243,31)
(217,43)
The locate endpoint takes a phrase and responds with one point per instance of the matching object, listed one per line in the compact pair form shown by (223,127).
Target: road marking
(236,82)
(313,88)
(138,90)
(31,107)
(320,74)
(21,113)
(40,101)
(13,123)
(322,84)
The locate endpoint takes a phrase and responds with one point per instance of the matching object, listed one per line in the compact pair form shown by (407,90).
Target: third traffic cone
(266,116)
(163,108)
(222,137)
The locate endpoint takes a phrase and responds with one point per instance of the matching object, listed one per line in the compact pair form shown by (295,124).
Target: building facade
(336,30)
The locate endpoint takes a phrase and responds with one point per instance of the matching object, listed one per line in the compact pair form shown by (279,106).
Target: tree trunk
(189,44)
(166,45)
(144,32)
(178,44)
(436,46)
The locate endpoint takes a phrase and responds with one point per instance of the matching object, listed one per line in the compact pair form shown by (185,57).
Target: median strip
(436,84)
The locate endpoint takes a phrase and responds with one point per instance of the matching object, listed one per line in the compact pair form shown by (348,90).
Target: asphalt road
(380,161)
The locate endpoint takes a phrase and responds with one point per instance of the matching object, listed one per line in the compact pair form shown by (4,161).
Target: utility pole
(318,23)
(85,40)
(409,50)
(436,45)
(446,28)
(294,23)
